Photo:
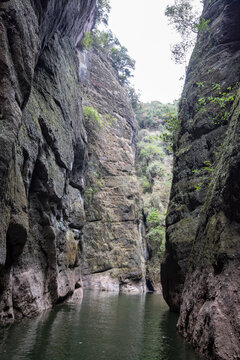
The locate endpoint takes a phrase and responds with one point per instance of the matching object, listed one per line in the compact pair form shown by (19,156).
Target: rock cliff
(42,153)
(70,214)
(201,271)
(113,250)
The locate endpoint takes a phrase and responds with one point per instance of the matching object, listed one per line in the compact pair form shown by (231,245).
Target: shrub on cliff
(116,53)
(171,129)
(108,42)
(155,232)
(91,114)
(154,218)
(155,239)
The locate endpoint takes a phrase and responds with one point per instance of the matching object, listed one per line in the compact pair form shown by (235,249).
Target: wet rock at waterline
(47,235)
(43,157)
(70,209)
(201,271)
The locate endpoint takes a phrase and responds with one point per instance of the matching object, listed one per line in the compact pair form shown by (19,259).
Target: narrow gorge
(85,176)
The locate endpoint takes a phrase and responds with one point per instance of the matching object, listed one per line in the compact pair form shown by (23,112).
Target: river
(105,326)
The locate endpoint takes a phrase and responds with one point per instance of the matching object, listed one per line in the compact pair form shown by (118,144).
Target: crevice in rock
(102,271)
(49,137)
(62,299)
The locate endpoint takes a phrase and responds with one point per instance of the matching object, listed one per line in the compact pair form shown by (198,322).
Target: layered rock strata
(42,153)
(201,271)
(113,248)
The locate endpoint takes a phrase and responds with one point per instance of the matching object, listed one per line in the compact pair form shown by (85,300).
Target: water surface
(105,326)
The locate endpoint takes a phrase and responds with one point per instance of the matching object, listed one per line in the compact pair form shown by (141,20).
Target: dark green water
(104,327)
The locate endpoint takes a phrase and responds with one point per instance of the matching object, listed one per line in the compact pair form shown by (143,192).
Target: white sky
(143,28)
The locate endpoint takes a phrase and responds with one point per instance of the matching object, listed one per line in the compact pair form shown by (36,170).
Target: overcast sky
(142,27)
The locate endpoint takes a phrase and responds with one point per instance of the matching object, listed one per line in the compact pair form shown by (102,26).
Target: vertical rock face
(42,153)
(46,236)
(201,271)
(113,248)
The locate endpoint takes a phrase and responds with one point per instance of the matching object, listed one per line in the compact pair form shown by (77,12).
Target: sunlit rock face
(42,153)
(113,248)
(201,271)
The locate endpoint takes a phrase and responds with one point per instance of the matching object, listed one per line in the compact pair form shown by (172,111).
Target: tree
(102,11)
(117,54)
(171,128)
(107,41)
(122,63)
(187,23)
(134,96)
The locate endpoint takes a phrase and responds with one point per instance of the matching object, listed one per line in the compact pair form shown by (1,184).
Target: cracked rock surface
(42,153)
(200,274)
(113,247)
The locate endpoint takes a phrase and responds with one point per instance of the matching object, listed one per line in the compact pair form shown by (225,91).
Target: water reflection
(166,343)
(105,327)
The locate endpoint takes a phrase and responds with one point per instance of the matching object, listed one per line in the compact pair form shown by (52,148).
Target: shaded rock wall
(47,237)
(201,271)
(113,248)
(42,153)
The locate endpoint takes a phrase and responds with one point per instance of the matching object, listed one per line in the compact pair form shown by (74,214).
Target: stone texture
(113,248)
(47,237)
(210,312)
(200,274)
(43,158)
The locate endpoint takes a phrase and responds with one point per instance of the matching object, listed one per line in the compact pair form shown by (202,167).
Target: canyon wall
(70,213)
(201,271)
(113,249)
(43,157)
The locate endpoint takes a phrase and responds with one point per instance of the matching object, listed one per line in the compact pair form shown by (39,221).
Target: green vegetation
(103,9)
(187,23)
(109,120)
(163,119)
(172,126)
(107,42)
(146,185)
(205,174)
(154,218)
(150,155)
(88,196)
(95,183)
(153,115)
(153,167)
(122,63)
(91,114)
(149,150)
(223,99)
(155,232)
(87,41)
(134,97)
